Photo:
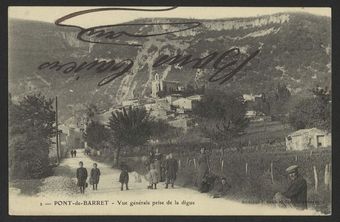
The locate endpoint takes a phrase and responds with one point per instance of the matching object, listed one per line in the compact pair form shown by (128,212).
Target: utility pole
(57,135)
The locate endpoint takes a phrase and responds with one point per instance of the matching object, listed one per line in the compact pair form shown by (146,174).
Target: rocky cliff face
(295,49)
(236,24)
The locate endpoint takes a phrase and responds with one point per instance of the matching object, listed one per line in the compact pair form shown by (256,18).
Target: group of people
(164,169)
(208,181)
(87,152)
(82,177)
(295,195)
(73,153)
(161,169)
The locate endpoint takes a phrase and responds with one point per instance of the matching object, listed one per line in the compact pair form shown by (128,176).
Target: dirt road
(110,200)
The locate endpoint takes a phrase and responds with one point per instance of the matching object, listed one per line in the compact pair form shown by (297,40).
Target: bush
(30,129)
(257,185)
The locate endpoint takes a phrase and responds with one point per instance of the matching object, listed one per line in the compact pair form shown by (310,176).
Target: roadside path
(109,199)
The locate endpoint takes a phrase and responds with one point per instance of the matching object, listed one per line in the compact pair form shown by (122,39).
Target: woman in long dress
(203,166)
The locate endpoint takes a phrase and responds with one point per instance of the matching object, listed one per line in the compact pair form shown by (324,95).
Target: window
(320,140)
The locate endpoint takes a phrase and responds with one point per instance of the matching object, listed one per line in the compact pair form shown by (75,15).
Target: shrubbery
(31,126)
(256,186)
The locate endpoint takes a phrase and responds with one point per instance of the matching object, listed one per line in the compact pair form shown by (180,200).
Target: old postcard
(169,111)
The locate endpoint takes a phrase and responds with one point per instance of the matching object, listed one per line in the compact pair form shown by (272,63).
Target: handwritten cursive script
(111,34)
(231,61)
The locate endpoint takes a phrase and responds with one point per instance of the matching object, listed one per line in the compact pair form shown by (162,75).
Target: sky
(50,14)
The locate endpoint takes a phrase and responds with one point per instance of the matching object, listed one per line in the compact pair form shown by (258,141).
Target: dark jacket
(171,167)
(203,167)
(95,174)
(158,156)
(81,176)
(149,161)
(124,177)
(297,193)
(207,183)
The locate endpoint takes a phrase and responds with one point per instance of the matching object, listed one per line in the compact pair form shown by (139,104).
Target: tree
(190,90)
(97,135)
(279,100)
(313,112)
(275,101)
(161,130)
(31,127)
(129,127)
(90,113)
(222,115)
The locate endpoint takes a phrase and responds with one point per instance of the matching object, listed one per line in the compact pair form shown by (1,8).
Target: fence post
(179,164)
(246,169)
(222,165)
(271,172)
(315,179)
(221,156)
(330,176)
(327,177)
(296,158)
(195,163)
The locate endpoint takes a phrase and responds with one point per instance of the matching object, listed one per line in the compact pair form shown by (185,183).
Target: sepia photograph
(169,111)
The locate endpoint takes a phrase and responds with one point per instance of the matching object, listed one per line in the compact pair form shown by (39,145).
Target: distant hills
(295,49)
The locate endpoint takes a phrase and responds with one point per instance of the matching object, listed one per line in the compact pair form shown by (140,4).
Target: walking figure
(124,178)
(159,165)
(81,177)
(150,160)
(153,177)
(72,153)
(75,153)
(171,167)
(94,177)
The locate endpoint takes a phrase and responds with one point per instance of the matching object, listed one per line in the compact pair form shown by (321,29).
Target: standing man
(158,165)
(171,167)
(151,159)
(296,194)
(75,153)
(81,177)
(124,177)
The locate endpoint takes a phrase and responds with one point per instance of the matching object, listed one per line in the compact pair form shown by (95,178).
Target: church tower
(155,86)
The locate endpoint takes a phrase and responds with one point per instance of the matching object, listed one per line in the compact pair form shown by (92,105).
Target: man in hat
(297,190)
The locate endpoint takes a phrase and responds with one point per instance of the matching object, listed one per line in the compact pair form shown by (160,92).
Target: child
(208,182)
(124,178)
(94,178)
(81,177)
(221,189)
(153,177)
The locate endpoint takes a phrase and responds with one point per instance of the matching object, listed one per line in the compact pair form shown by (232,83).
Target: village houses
(312,138)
